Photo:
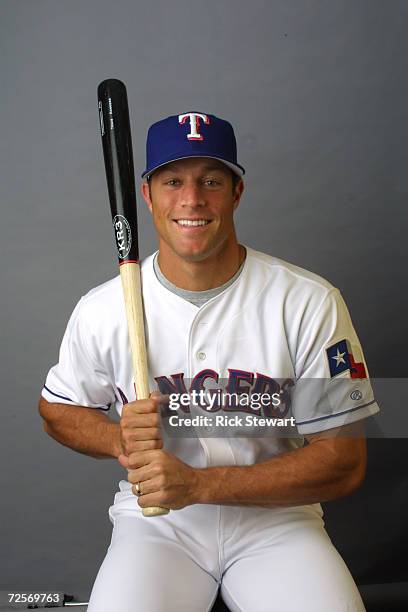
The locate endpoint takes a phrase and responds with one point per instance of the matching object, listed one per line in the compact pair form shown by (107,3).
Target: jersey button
(201,355)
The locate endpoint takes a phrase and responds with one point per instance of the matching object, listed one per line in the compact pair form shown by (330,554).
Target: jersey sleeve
(332,384)
(78,378)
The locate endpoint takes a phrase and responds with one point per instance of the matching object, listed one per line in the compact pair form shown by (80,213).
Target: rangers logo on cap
(194,124)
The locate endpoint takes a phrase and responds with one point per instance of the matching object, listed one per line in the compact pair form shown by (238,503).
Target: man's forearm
(304,476)
(85,430)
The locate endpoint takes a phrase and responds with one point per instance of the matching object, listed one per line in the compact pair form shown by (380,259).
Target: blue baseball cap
(191,134)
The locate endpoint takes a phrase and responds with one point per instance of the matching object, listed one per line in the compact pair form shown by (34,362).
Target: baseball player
(244,493)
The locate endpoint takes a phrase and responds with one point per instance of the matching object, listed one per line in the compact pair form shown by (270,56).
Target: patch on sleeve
(341,359)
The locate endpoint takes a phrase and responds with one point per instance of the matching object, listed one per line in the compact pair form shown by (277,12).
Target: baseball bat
(118,156)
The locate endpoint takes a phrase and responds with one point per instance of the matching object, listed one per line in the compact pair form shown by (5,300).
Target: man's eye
(172,182)
(211,182)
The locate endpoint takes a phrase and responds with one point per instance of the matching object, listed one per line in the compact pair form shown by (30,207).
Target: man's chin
(197,251)
(194,256)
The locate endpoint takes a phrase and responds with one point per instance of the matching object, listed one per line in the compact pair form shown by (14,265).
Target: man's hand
(140,425)
(163,479)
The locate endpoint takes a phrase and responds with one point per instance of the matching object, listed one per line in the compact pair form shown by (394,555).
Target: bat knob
(155,511)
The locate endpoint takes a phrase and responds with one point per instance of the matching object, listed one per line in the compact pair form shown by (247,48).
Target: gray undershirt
(198,298)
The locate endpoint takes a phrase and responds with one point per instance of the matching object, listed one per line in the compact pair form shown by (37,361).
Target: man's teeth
(193,223)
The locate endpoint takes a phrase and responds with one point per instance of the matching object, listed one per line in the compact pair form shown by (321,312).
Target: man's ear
(238,193)
(145,191)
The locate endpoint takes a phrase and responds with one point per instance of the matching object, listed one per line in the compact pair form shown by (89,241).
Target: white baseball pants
(263,560)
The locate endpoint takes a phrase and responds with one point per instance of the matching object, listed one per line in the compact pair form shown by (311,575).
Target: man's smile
(188,224)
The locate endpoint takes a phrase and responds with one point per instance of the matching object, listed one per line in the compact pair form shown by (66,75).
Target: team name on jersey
(238,383)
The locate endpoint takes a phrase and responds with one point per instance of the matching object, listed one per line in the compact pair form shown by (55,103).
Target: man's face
(192,202)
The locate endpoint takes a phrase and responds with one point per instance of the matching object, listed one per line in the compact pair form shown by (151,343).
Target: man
(244,509)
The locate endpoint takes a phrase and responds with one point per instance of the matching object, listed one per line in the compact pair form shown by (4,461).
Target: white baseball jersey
(275,322)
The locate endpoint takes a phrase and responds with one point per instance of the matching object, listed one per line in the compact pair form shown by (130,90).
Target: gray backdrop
(317,92)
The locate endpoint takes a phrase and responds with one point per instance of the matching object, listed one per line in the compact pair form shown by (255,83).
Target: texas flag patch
(341,359)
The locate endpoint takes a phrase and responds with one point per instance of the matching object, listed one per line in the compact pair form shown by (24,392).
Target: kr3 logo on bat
(123,235)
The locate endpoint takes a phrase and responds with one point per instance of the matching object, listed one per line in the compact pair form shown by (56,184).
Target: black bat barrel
(120,176)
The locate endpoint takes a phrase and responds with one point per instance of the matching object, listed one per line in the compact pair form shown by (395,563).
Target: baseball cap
(191,134)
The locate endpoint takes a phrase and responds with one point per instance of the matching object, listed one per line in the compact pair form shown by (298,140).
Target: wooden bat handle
(132,293)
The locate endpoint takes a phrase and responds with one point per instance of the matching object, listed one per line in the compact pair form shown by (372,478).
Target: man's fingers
(152,485)
(142,473)
(140,425)
(160,397)
(144,445)
(151,462)
(137,464)
(124,461)
(137,446)
(151,500)
(140,420)
(140,407)
(136,461)
(142,433)
(145,406)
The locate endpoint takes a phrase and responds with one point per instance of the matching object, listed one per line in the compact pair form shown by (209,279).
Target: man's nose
(192,195)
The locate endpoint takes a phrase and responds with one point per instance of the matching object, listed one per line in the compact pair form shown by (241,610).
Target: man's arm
(83,429)
(91,432)
(332,465)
